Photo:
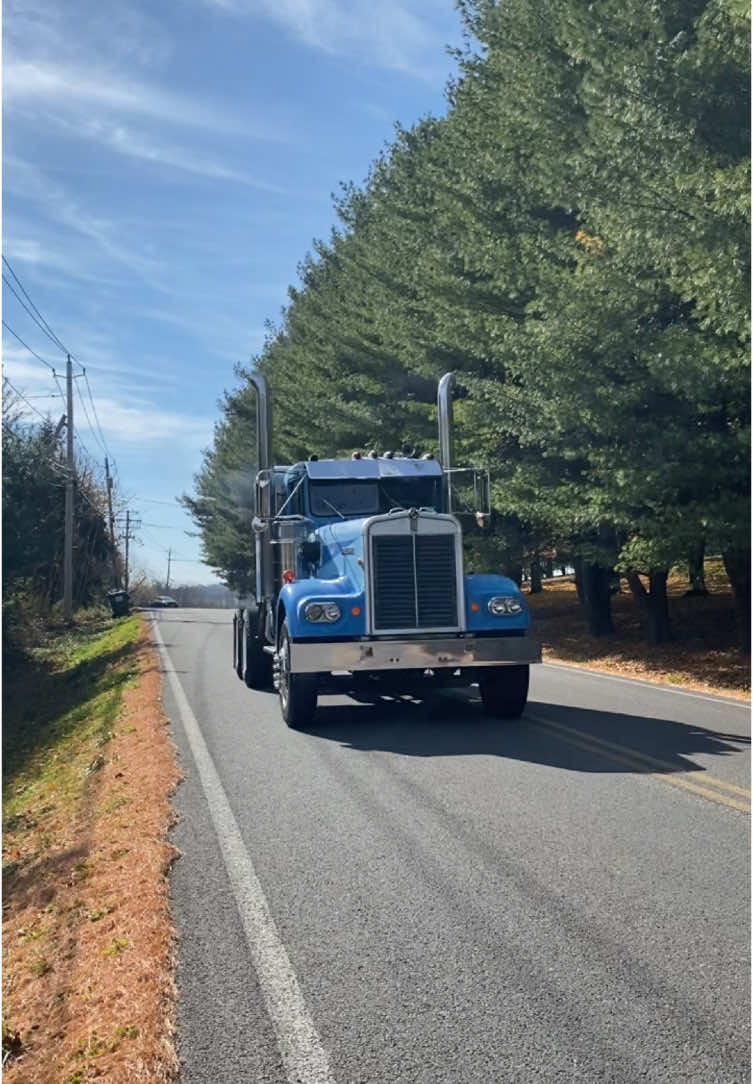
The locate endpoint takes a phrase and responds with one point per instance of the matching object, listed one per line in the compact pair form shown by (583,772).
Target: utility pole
(169,558)
(127,539)
(115,572)
(69,484)
(130,526)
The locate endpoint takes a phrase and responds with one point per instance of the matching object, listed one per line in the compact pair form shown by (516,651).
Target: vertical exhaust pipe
(444,418)
(263,420)
(263,545)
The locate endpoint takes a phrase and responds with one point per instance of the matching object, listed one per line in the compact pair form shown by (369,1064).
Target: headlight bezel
(320,612)
(505,606)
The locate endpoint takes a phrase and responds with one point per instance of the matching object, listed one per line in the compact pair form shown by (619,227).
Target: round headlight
(321,611)
(504,606)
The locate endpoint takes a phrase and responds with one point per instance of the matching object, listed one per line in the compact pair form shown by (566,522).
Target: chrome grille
(414,580)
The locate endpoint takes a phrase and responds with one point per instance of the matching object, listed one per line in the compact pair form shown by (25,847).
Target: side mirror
(259,525)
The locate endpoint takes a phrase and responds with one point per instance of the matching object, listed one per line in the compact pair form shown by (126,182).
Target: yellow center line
(661,765)
(658,769)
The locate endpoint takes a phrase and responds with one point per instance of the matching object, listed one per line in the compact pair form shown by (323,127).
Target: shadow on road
(455,726)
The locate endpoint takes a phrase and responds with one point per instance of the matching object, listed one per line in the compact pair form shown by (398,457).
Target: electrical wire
(38,319)
(79,441)
(26,345)
(96,418)
(22,396)
(88,419)
(150,538)
(44,326)
(39,324)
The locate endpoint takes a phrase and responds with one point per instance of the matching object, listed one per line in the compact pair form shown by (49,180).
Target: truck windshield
(344,498)
(368,498)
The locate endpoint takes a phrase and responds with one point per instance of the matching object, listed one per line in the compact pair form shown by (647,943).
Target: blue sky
(166,168)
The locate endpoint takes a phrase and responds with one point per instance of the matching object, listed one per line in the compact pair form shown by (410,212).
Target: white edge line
(301,1049)
(657,686)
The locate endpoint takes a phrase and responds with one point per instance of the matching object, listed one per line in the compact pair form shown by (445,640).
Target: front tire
(504,690)
(298,692)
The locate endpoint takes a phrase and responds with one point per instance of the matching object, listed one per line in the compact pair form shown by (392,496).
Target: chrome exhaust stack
(263,545)
(444,418)
(263,420)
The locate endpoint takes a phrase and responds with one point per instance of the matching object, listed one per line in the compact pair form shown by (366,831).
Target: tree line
(34,472)
(571,238)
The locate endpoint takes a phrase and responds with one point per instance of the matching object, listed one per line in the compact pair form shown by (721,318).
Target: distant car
(163,601)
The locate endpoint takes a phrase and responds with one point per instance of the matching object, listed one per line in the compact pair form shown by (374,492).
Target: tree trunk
(549,568)
(696,577)
(578,569)
(513,570)
(536,575)
(737,567)
(597,598)
(654,604)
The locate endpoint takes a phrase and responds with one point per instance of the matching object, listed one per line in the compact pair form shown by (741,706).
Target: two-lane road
(414,893)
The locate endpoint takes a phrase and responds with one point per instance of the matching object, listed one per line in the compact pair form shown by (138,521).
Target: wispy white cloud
(118,29)
(48,82)
(139,422)
(125,419)
(131,144)
(402,36)
(30,183)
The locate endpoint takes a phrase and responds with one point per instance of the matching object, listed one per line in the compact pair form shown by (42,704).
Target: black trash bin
(120,603)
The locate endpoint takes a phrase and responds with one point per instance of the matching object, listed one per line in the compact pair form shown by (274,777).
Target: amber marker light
(475,607)
(288,575)
(356,611)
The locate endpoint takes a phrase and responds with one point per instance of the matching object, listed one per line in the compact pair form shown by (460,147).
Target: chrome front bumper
(311,658)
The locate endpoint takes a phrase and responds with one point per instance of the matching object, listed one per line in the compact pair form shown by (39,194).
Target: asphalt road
(416,893)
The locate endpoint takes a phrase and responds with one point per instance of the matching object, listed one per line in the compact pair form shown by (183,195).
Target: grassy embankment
(87,937)
(703,655)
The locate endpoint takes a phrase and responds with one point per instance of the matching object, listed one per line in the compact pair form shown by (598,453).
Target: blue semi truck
(360,585)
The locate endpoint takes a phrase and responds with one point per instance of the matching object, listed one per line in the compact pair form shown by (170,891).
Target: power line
(22,396)
(26,345)
(79,441)
(39,323)
(88,420)
(96,417)
(50,395)
(44,326)
(150,538)
(38,319)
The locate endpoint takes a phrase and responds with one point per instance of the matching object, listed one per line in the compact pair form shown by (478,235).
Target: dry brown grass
(703,655)
(88,937)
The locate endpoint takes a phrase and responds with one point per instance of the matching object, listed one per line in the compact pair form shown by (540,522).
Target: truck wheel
(504,690)
(297,691)
(257,672)
(238,644)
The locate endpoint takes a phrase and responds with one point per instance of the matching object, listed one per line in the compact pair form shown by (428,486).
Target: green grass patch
(116,946)
(60,708)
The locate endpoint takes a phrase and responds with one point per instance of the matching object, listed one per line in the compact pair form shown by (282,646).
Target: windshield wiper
(335,510)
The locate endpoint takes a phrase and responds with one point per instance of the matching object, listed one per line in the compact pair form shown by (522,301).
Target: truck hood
(342,551)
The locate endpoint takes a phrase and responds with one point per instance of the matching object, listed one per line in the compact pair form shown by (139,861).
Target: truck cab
(360,587)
